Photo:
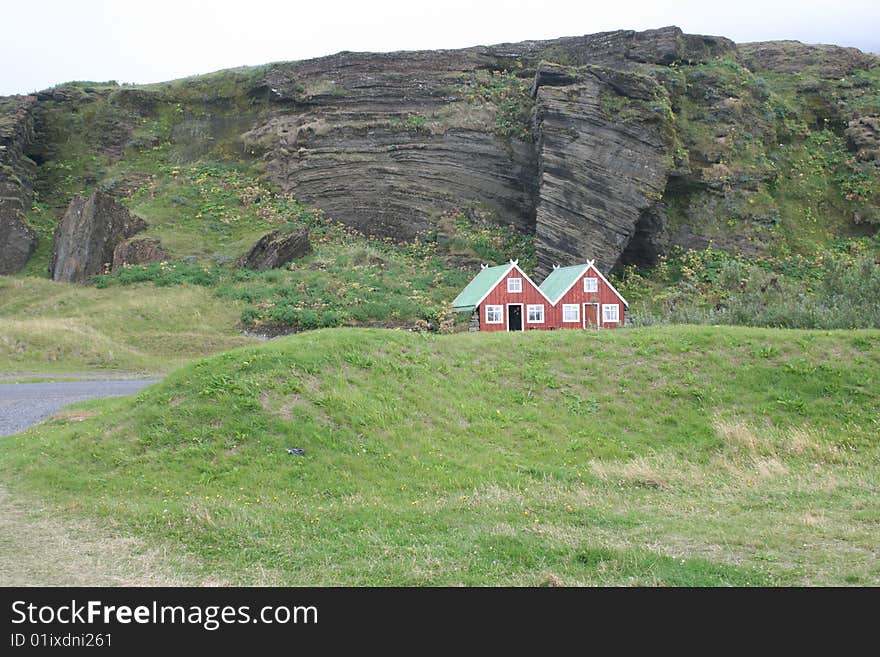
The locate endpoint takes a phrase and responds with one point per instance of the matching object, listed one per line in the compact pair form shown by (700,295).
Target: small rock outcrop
(138,251)
(87,236)
(276,249)
(17,239)
(831,62)
(863,137)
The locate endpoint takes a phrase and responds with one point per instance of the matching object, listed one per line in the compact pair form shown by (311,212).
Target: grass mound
(674,455)
(54,327)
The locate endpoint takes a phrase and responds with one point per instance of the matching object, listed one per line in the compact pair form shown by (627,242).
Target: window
(571,312)
(591,285)
(514,285)
(610,312)
(536,314)
(494,314)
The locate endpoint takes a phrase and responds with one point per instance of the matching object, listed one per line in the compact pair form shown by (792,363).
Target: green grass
(772,146)
(671,456)
(839,288)
(48,327)
(156,317)
(349,279)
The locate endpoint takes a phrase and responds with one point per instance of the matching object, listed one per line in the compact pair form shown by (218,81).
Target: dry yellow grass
(56,327)
(640,471)
(40,548)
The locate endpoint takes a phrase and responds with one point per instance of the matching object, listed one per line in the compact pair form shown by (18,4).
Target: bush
(160,274)
(838,290)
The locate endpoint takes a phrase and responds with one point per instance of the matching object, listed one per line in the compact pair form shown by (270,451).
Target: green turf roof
(560,280)
(478,288)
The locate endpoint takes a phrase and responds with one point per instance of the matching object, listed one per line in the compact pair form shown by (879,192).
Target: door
(591,315)
(514,317)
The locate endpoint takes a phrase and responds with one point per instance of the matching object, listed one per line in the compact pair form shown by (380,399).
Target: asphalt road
(24,404)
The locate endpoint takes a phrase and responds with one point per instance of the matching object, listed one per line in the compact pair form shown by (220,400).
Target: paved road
(24,404)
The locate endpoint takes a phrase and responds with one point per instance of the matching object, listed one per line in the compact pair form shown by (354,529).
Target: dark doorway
(514,317)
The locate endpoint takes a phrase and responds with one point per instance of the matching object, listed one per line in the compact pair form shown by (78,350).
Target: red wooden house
(583,298)
(504,298)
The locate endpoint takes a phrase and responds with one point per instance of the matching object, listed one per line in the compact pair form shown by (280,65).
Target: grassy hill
(676,455)
(48,328)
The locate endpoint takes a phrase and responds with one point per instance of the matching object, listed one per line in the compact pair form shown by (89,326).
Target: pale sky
(45,42)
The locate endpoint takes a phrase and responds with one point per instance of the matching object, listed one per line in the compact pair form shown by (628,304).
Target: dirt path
(39,548)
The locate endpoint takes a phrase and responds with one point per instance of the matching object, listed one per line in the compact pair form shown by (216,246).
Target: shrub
(838,290)
(160,274)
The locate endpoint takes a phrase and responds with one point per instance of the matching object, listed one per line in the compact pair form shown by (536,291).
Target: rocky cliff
(17,239)
(88,235)
(615,146)
(389,143)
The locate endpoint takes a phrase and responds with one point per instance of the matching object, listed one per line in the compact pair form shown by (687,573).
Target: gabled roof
(486,281)
(477,290)
(561,280)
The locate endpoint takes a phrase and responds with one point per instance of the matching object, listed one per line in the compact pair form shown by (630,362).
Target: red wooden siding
(576,295)
(499,296)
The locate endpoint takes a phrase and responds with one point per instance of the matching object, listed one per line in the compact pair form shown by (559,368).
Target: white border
(591,263)
(611,321)
(494,305)
(543,312)
(513,265)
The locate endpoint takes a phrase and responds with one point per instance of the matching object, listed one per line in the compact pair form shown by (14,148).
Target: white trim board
(613,289)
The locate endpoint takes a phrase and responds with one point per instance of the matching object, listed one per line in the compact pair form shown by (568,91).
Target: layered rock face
(597,174)
(17,239)
(389,142)
(384,143)
(831,62)
(87,236)
(614,146)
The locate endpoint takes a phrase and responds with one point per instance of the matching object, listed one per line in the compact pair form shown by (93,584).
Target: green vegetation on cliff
(712,456)
(766,164)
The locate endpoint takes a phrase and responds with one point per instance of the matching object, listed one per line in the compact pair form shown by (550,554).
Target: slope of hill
(679,455)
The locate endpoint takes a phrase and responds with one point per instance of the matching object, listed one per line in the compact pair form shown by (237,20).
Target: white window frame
(517,286)
(593,284)
(567,307)
(609,309)
(495,309)
(534,307)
